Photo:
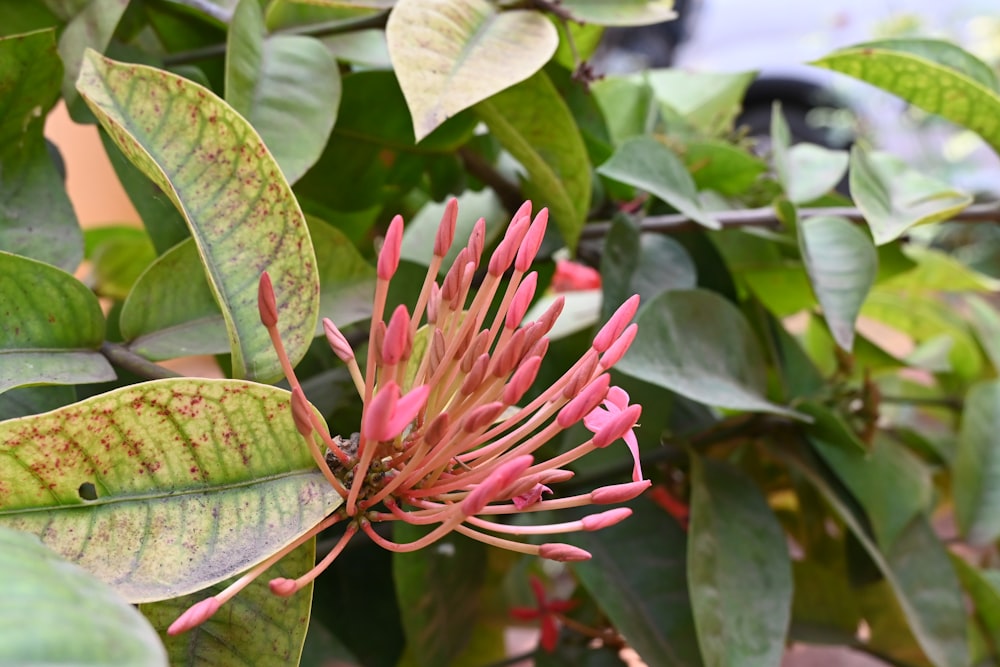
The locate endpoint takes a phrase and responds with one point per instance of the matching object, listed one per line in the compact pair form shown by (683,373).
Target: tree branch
(766,217)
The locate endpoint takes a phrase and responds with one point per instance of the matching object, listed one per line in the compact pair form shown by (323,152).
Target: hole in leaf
(87,491)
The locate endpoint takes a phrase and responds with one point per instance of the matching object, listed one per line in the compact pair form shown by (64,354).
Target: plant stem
(324,29)
(766,217)
(126,359)
(949,402)
(508,192)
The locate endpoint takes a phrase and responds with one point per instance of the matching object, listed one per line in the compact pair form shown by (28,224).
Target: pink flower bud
(283,587)
(532,241)
(477,241)
(446,230)
(300,412)
(396,346)
(531,496)
(337,341)
(605,519)
(388,257)
(563,552)
(582,376)
(378,413)
(618,425)
(434,304)
(502,257)
(551,314)
(196,614)
(614,327)
(266,303)
(407,408)
(497,480)
(522,299)
(522,380)
(438,429)
(618,349)
(585,401)
(507,358)
(481,417)
(618,493)
(476,375)
(453,279)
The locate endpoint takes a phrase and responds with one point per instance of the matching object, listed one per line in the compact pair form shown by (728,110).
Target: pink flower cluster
(445,440)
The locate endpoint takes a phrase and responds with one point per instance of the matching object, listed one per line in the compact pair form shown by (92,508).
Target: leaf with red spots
(50,327)
(165,487)
(54,613)
(243,216)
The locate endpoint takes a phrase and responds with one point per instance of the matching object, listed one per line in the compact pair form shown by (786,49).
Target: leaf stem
(324,29)
(124,358)
(766,217)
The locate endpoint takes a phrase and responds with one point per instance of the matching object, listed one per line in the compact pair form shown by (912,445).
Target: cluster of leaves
(804,470)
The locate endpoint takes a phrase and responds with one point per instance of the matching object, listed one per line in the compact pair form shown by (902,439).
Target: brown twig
(124,358)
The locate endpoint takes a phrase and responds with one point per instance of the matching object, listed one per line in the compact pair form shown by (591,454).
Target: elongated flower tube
(446,437)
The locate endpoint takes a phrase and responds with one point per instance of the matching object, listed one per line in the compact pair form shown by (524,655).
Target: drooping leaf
(218,173)
(739,572)
(620,12)
(36,218)
(55,613)
(842,264)
(976,484)
(450,55)
(166,487)
(286,86)
(548,146)
(255,628)
(889,482)
(90,25)
(698,344)
(171,311)
(439,592)
(919,572)
(894,198)
(50,327)
(945,83)
(645,598)
(645,163)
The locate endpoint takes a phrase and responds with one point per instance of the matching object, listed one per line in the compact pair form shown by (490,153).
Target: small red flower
(547,612)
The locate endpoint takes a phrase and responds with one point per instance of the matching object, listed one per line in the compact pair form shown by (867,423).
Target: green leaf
(739,572)
(942,52)
(118,254)
(549,147)
(215,169)
(707,101)
(55,613)
(419,236)
(439,594)
(645,598)
(938,271)
(983,586)
(50,329)
(824,609)
(698,344)
(171,311)
(628,105)
(219,462)
(286,86)
(919,572)
(25,401)
(842,264)
(806,171)
(985,322)
(255,628)
(36,217)
(449,56)
(894,198)
(958,95)
(620,12)
(90,25)
(719,166)
(976,485)
(645,163)
(889,482)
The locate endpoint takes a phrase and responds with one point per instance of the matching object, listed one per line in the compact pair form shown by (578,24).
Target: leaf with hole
(192,480)
(450,55)
(242,214)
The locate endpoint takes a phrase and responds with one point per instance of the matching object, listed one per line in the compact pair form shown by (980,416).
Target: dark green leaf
(90,26)
(983,586)
(739,572)
(55,613)
(638,576)
(50,327)
(698,344)
(824,609)
(719,166)
(645,163)
(976,484)
(25,401)
(842,264)
(36,218)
